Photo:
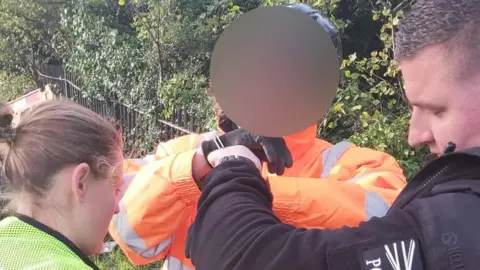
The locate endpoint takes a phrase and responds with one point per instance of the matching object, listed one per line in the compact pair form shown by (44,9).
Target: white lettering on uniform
(407,254)
(375,263)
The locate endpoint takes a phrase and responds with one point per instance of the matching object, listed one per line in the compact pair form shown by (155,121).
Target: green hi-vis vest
(27,244)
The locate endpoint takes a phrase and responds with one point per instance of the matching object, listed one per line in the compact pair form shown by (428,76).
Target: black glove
(226,124)
(271,150)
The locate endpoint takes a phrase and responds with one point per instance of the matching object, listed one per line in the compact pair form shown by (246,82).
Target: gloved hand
(271,150)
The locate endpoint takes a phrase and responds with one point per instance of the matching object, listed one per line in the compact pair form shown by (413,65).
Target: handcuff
(220,145)
(234,158)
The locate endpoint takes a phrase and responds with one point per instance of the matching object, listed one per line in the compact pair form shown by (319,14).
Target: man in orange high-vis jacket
(328,186)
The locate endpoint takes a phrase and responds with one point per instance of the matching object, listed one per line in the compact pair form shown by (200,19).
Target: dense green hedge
(150,52)
(145,53)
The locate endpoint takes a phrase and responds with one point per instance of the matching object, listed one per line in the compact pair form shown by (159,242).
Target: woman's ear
(80,176)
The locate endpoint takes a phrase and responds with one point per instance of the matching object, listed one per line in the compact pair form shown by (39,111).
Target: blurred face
(97,202)
(444,108)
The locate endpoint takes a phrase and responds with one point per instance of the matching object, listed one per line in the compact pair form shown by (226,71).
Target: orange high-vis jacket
(328,186)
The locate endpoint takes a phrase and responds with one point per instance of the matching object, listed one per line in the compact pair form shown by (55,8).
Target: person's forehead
(427,77)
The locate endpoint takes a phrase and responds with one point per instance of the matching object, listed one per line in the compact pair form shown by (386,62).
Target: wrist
(200,165)
(232,158)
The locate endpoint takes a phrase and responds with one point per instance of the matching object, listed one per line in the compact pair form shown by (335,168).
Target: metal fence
(131,120)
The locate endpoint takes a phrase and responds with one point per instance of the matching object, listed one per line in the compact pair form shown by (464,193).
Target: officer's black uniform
(433,224)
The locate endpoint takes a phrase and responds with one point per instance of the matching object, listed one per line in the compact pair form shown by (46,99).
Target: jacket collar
(451,167)
(301,142)
(298,143)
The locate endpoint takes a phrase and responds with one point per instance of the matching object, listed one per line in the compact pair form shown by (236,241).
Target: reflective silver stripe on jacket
(375,206)
(131,238)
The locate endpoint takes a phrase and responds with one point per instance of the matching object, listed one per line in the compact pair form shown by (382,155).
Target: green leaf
(352,57)
(338,107)
(395,21)
(357,107)
(384,36)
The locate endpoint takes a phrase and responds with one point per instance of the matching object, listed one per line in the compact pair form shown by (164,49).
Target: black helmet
(331,29)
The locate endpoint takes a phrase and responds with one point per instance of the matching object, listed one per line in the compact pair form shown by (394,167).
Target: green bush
(370,109)
(116,260)
(14,85)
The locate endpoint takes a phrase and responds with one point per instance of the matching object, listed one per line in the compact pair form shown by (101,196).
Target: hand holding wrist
(221,155)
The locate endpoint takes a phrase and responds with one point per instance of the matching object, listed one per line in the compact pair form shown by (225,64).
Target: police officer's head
(225,124)
(62,165)
(437,47)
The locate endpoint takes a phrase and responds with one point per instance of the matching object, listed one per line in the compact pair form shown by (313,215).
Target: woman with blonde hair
(63,170)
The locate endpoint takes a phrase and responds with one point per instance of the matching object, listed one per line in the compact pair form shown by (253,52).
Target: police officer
(431,224)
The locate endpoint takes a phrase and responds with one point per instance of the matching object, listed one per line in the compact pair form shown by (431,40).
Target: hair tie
(8,134)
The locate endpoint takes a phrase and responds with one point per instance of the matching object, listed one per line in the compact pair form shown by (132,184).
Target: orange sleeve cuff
(183,182)
(285,199)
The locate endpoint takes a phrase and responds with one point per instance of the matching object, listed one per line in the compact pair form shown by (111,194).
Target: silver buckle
(218,142)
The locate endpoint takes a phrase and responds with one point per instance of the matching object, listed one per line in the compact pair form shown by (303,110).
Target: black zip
(426,183)
(449,148)
(406,196)
(438,168)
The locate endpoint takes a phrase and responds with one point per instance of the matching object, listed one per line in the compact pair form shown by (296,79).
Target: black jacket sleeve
(235,228)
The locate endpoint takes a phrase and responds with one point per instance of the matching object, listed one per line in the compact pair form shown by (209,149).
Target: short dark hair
(455,23)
